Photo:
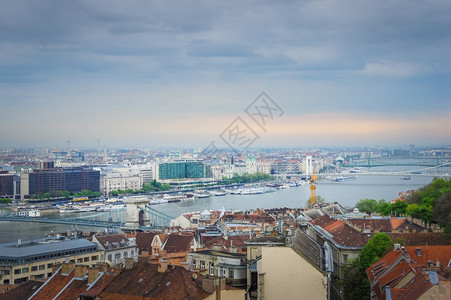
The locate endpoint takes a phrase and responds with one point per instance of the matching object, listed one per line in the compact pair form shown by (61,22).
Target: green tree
(367,205)
(356,282)
(5,200)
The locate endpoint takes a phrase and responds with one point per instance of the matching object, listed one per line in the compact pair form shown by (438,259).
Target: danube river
(347,193)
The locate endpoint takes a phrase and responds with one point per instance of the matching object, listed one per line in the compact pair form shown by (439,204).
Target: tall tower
(308,166)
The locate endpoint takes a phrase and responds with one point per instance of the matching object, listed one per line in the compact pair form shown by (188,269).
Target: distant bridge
(442,170)
(68,221)
(395,162)
(157,219)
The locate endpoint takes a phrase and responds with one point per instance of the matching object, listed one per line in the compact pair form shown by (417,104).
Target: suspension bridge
(441,170)
(140,216)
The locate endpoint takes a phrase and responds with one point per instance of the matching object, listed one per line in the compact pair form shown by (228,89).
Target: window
(17,271)
(41,267)
(110,257)
(80,260)
(133,253)
(25,270)
(125,254)
(117,256)
(221,272)
(230,273)
(49,266)
(95,257)
(86,259)
(34,268)
(202,264)
(212,269)
(345,258)
(5,272)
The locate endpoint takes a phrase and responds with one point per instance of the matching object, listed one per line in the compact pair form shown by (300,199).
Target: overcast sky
(177,73)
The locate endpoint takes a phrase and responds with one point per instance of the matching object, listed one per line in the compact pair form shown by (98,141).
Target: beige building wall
(228,295)
(287,275)
(441,291)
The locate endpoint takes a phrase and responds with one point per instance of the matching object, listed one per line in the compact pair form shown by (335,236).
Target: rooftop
(42,247)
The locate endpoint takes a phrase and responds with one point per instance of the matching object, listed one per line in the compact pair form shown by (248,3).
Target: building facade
(9,185)
(60,179)
(117,248)
(231,266)
(22,261)
(119,181)
(183,169)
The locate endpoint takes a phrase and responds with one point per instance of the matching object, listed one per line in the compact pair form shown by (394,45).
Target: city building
(9,185)
(119,181)
(74,180)
(33,259)
(117,248)
(183,169)
(231,266)
(165,281)
(279,272)
(264,167)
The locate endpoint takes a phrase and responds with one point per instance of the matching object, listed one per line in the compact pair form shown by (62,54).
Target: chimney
(102,267)
(185,265)
(233,249)
(397,247)
(437,263)
(129,263)
(208,285)
(80,271)
(163,266)
(67,268)
(93,273)
(418,251)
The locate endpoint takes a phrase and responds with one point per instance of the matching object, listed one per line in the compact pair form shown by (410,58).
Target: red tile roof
(178,243)
(54,285)
(144,241)
(431,253)
(396,274)
(145,282)
(113,241)
(333,226)
(379,267)
(23,291)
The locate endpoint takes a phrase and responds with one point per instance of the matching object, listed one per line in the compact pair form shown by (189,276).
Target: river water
(347,193)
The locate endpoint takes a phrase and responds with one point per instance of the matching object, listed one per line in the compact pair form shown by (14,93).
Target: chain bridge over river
(140,216)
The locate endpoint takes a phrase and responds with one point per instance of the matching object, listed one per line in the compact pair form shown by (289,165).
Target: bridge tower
(136,217)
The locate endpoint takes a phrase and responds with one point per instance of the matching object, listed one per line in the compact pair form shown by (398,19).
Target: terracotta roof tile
(431,253)
(23,291)
(378,268)
(54,286)
(144,241)
(113,241)
(178,243)
(333,226)
(145,282)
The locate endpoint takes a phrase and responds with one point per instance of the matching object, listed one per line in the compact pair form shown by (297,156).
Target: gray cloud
(327,55)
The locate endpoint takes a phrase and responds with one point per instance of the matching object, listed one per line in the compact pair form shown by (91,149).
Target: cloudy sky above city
(177,73)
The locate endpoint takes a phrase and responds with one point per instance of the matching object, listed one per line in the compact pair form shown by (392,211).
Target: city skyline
(172,74)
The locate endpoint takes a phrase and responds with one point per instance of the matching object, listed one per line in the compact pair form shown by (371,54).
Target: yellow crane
(312,182)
